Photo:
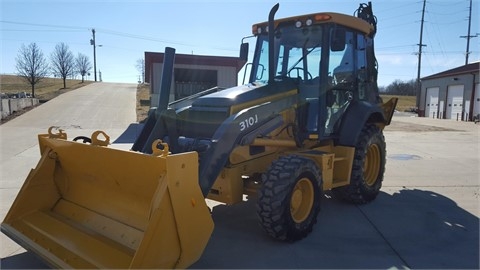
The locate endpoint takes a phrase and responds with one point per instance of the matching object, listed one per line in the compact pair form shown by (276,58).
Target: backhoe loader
(309,120)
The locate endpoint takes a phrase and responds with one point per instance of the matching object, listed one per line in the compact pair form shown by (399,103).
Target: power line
(134,36)
(436,34)
(447,14)
(396,8)
(447,23)
(45,25)
(397,25)
(100,30)
(393,47)
(447,3)
(40,41)
(38,30)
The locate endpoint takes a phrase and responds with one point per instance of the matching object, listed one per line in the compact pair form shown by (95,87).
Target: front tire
(368,167)
(289,199)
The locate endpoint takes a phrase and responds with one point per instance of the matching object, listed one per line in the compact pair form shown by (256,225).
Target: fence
(11,105)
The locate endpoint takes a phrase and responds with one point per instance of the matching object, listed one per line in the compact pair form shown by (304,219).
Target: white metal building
(451,94)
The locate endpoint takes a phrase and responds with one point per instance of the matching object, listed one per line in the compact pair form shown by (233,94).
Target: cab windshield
(297,54)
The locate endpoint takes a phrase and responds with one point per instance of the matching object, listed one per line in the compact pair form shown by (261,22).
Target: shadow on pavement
(408,229)
(24,260)
(427,229)
(130,134)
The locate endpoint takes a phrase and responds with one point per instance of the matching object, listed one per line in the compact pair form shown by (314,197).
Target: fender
(358,114)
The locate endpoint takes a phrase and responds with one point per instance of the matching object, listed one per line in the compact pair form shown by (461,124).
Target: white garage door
(476,101)
(431,104)
(455,102)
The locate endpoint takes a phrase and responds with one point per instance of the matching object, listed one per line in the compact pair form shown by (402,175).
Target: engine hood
(244,93)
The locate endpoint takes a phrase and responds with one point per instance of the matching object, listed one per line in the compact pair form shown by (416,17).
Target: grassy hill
(45,90)
(405,103)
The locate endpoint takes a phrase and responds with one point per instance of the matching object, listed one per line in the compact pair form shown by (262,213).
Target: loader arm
(236,131)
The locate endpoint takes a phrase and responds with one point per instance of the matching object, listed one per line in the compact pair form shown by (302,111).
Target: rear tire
(368,167)
(289,199)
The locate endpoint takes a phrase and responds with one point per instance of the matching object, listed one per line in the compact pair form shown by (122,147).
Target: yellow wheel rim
(371,165)
(302,200)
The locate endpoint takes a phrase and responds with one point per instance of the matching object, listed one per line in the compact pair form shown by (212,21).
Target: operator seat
(345,70)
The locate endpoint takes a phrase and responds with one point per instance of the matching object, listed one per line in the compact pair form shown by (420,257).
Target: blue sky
(127,28)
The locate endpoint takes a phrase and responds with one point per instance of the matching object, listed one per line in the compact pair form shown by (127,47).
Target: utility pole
(420,46)
(468,36)
(92,42)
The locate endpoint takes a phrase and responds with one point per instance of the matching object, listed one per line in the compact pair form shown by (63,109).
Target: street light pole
(92,42)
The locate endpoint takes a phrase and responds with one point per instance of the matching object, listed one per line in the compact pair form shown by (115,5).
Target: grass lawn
(143,101)
(45,90)
(405,103)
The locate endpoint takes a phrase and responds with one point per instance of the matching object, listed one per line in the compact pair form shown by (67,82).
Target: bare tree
(31,65)
(82,65)
(63,63)
(403,88)
(141,68)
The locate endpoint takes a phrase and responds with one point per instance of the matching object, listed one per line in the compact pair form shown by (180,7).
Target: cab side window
(341,66)
(362,75)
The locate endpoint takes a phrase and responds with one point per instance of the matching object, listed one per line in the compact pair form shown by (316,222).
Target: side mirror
(244,52)
(338,38)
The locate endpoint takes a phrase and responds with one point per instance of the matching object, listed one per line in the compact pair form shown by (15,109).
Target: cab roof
(320,18)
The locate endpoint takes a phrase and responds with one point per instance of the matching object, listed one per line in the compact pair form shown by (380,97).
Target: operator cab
(326,54)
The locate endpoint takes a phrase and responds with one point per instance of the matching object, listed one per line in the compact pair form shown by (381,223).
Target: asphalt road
(426,216)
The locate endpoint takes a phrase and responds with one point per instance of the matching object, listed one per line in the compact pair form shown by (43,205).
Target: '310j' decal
(250,121)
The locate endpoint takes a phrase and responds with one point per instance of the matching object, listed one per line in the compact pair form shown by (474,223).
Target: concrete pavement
(106,106)
(426,216)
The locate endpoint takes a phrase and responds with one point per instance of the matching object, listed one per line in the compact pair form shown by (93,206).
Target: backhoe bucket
(89,206)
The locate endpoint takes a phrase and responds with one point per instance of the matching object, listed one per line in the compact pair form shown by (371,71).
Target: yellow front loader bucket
(89,206)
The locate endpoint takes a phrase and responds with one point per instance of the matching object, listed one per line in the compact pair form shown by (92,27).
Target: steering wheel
(300,71)
(83,138)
